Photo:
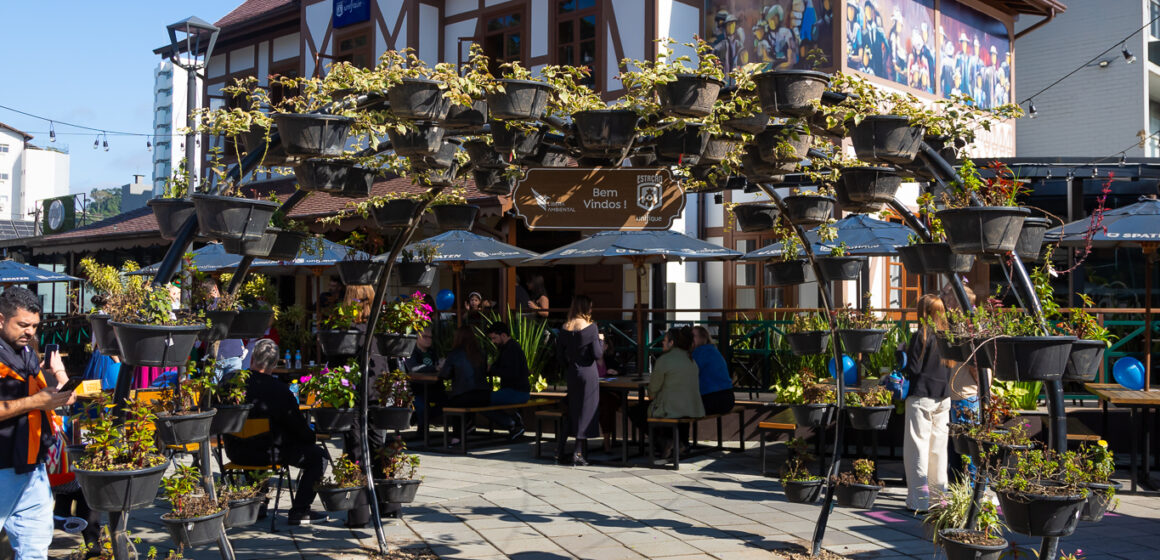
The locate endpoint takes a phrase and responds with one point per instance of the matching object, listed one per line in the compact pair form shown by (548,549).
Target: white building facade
(28,174)
(170,107)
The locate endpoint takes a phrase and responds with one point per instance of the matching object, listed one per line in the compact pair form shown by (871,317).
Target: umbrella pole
(641,353)
(456,273)
(1149,262)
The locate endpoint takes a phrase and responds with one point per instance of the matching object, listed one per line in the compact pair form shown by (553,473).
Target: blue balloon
(444,300)
(849,371)
(1129,372)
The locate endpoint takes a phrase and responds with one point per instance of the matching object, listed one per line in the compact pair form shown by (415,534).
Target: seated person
(290,439)
(511,367)
(466,367)
(674,387)
(423,359)
(713,373)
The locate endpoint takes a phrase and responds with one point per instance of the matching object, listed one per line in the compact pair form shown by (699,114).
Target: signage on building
(598,199)
(350,12)
(58,214)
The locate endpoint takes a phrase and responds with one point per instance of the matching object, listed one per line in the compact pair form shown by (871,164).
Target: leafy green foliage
(335,387)
(395,389)
(405,315)
(344,473)
(796,466)
(186,497)
(113,446)
(531,333)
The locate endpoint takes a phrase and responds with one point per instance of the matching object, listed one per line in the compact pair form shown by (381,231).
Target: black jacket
(273,400)
(15,433)
(511,366)
(928,376)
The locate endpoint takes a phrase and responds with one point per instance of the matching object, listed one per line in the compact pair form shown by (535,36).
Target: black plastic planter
(396,345)
(547,155)
(1032,358)
(869,417)
(811,415)
(757,170)
(229,418)
(491,181)
(520,100)
(857,496)
(956,549)
(259,248)
(196,531)
(171,214)
(937,258)
(103,335)
(808,210)
(314,134)
(418,99)
(808,343)
(1084,362)
(957,351)
(415,275)
(1098,501)
(395,213)
(790,93)
(251,323)
(339,499)
(984,352)
(911,260)
(847,205)
(423,140)
(182,429)
(359,272)
(330,420)
(795,139)
(456,216)
(839,269)
(155,345)
(682,146)
(886,139)
(605,132)
(322,175)
(228,217)
(870,185)
(110,491)
(746,125)
(286,245)
(1031,238)
(243,513)
(962,444)
(983,229)
(802,491)
(756,217)
(390,417)
(1041,516)
(397,490)
(786,273)
(514,143)
(861,341)
(339,343)
(689,95)
(462,118)
(443,158)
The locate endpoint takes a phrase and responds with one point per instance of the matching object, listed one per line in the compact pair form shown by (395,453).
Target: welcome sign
(598,199)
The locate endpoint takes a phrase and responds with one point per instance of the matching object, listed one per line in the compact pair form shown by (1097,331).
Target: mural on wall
(892,39)
(975,56)
(780,33)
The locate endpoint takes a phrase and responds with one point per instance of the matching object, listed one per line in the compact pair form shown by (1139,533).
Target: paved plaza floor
(503,503)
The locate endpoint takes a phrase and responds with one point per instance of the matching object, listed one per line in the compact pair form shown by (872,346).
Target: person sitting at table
(423,358)
(608,366)
(511,367)
(713,377)
(578,346)
(466,367)
(290,440)
(674,387)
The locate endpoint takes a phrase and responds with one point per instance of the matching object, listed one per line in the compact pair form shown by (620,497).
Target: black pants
(470,399)
(311,459)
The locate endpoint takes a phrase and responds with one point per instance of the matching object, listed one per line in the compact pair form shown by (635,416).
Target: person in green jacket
(674,387)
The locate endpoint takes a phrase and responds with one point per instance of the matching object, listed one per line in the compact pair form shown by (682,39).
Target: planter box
(808,210)
(196,531)
(314,134)
(983,229)
(103,335)
(330,420)
(605,132)
(869,417)
(390,417)
(423,140)
(397,491)
(251,323)
(155,345)
(456,216)
(243,513)
(858,496)
(811,415)
(1032,358)
(689,95)
(1041,516)
(808,343)
(395,213)
(1030,241)
(839,269)
(802,491)
(230,418)
(418,99)
(886,139)
(396,345)
(756,216)
(1084,362)
(870,185)
(958,550)
(790,93)
(111,491)
(171,214)
(786,273)
(520,100)
(861,341)
(182,429)
(339,344)
(339,499)
(227,217)
(362,272)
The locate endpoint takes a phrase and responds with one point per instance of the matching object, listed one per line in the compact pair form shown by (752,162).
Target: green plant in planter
(796,466)
(958,119)
(232,391)
(344,473)
(876,396)
(790,391)
(1004,189)
(143,303)
(1038,471)
(744,102)
(337,387)
(396,462)
(420,253)
(104,279)
(641,85)
(184,395)
(405,316)
(862,99)
(364,246)
(234,492)
(927,212)
(808,322)
(204,294)
(177,184)
(818,393)
(569,94)
(993,319)
(342,317)
(395,389)
(1023,395)
(862,473)
(1085,326)
(849,318)
(949,509)
(114,446)
(791,244)
(186,497)
(1095,462)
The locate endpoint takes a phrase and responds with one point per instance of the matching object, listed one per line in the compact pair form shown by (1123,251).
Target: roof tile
(251,9)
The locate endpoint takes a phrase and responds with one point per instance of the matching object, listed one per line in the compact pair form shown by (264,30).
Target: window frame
(523,31)
(554,40)
(352,32)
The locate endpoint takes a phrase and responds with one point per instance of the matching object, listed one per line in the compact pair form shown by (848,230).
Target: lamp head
(195,37)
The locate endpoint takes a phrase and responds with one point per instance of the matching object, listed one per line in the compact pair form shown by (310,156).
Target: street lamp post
(191,42)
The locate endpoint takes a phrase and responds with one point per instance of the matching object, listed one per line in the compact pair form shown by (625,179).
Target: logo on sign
(648,192)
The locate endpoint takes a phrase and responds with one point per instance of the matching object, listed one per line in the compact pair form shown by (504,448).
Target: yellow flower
(1102,443)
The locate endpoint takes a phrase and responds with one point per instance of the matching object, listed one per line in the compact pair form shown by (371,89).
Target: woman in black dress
(579,347)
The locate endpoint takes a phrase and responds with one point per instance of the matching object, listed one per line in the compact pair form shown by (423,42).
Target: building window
(355,48)
(278,92)
(902,287)
(3,177)
(3,148)
(576,34)
(503,38)
(1154,12)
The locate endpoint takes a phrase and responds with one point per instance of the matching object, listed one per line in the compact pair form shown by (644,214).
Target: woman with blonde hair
(924,451)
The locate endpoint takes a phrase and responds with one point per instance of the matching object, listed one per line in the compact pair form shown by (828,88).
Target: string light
(1031,111)
(51,132)
(148,146)
(1128,56)
(97,142)
(106,142)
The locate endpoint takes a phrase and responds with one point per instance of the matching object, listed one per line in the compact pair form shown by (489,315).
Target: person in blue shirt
(713,375)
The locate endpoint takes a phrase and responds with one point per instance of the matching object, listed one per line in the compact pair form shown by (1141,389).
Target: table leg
(623,427)
(425,421)
(1104,427)
(1135,449)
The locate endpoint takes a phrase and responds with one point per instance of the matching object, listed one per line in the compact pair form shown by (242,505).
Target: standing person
(511,367)
(27,399)
(534,296)
(579,347)
(466,367)
(964,384)
(362,296)
(608,366)
(674,385)
(924,452)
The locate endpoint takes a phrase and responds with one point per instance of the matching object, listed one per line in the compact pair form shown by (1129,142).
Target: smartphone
(50,349)
(71,384)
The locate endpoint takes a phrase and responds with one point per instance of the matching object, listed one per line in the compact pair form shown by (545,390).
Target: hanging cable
(74,125)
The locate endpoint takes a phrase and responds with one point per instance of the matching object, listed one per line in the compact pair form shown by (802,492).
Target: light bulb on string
(105,143)
(1031,111)
(51,132)
(1128,56)
(148,145)
(97,142)
(1123,159)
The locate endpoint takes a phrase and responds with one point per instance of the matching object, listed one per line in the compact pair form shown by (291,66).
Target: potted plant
(258,302)
(838,266)
(789,269)
(243,502)
(1029,246)
(228,215)
(289,238)
(358,267)
(1097,465)
(814,403)
(416,92)
(414,265)
(783,144)
(669,86)
(105,281)
(800,485)
(683,145)
(870,409)
(396,402)
(948,515)
(173,208)
(870,186)
(1039,497)
(340,490)
(859,488)
(120,470)
(393,210)
(997,447)
(1087,352)
(179,419)
(810,207)
(304,129)
(195,518)
(755,216)
(894,135)
(790,93)
(738,110)
(399,484)
(934,257)
(991,228)
(339,338)
(516,96)
(1022,351)
(229,398)
(148,330)
(453,212)
(860,333)
(809,334)
(205,299)
(401,322)
(334,391)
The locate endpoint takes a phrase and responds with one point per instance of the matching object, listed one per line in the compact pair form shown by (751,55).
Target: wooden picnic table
(1139,403)
(623,386)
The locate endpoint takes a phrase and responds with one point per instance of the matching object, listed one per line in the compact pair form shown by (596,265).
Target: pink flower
(304,379)
(345,383)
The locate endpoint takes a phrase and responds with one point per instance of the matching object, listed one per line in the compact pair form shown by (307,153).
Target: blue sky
(90,63)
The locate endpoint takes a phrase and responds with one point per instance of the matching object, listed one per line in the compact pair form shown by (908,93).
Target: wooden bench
(777,424)
(674,425)
(1078,431)
(464,412)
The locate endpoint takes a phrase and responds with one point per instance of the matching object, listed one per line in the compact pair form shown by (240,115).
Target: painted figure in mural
(729,45)
(918,72)
(805,28)
(762,42)
(897,64)
(783,40)
(977,74)
(1003,81)
(879,47)
(926,53)
(823,31)
(946,65)
(963,66)
(854,38)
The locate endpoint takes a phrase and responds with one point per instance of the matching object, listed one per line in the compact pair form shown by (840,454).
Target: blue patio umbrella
(211,258)
(862,235)
(12,272)
(320,253)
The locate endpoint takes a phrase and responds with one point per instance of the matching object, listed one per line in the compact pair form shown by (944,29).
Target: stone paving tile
(609,553)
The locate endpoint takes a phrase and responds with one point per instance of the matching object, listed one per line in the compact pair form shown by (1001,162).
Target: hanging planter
(790,93)
(359,272)
(395,213)
(312,135)
(358,183)
(228,217)
(861,341)
(396,345)
(781,143)
(808,210)
(983,229)
(196,531)
(456,216)
(463,118)
(870,185)
(606,131)
(911,260)
(838,269)
(984,352)
(103,335)
(322,175)
(717,148)
(937,258)
(957,352)
(286,245)
(521,100)
(547,155)
(869,417)
(444,158)
(182,429)
(786,273)
(330,420)
(155,345)
(802,491)
(110,491)
(339,499)
(682,146)
(259,248)
(491,181)
(171,214)
(251,323)
(886,139)
(755,217)
(420,140)
(956,546)
(397,490)
(690,95)
(255,141)
(418,99)
(1039,515)
(444,176)
(808,343)
(1084,361)
(230,418)
(482,155)
(1030,241)
(243,513)
(758,170)
(1098,501)
(390,417)
(339,343)
(857,496)
(961,443)
(847,205)
(811,415)
(514,143)
(415,274)
(1032,358)
(746,125)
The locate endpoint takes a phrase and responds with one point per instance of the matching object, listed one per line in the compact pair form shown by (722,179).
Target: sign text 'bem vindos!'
(598,199)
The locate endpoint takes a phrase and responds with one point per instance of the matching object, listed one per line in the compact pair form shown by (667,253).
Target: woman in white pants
(924,453)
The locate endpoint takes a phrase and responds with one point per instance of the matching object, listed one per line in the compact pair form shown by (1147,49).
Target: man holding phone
(28,395)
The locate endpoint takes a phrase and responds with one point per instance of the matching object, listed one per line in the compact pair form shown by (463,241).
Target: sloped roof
(252,9)
(26,135)
(1031,7)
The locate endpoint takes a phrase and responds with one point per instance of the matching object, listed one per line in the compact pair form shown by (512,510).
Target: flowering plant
(397,463)
(333,387)
(344,473)
(394,389)
(408,315)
